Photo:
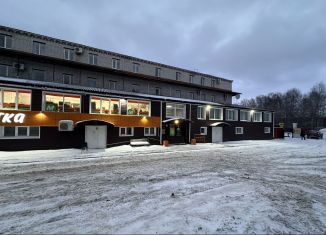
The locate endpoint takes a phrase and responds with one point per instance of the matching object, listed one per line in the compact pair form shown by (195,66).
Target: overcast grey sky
(264,46)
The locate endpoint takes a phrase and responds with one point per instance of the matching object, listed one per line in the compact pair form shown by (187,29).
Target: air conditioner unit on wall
(79,50)
(18,66)
(66,125)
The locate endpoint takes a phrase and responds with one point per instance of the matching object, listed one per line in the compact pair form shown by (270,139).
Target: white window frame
(16,133)
(116,63)
(158,89)
(16,100)
(214,108)
(249,116)
(213,82)
(124,135)
(178,76)
(267,130)
(191,78)
(135,67)
(174,106)
(6,41)
(101,98)
(6,68)
(202,111)
(149,131)
(111,86)
(205,130)
(202,81)
(38,52)
(158,72)
(68,53)
(63,108)
(66,75)
(235,115)
(92,58)
(239,130)
(149,108)
(269,117)
(254,116)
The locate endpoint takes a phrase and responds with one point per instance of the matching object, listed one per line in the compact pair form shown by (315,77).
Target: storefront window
(9,131)
(132,107)
(62,103)
(15,99)
(24,100)
(9,99)
(115,106)
(144,108)
(95,105)
(105,106)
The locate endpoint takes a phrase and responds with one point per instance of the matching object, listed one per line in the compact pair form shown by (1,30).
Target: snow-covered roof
(219,123)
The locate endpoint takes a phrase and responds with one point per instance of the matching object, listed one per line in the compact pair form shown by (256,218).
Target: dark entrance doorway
(176,131)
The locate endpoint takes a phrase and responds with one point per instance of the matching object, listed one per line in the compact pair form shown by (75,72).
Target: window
(213,82)
(92,59)
(115,63)
(54,102)
(225,96)
(213,98)
(191,78)
(126,131)
(175,110)
(67,78)
(257,116)
(38,48)
(203,130)
(202,81)
(135,107)
(68,54)
(135,67)
(113,85)
(15,99)
(19,132)
(157,72)
(192,95)
(91,82)
(150,131)
(267,130)
(244,115)
(267,117)
(104,105)
(38,74)
(157,91)
(178,76)
(203,97)
(135,87)
(232,115)
(216,114)
(201,114)
(5,41)
(178,93)
(4,70)
(239,130)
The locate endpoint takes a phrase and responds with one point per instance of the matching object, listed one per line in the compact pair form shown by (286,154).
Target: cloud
(264,46)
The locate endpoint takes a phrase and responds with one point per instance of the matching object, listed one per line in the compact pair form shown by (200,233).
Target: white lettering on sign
(12,117)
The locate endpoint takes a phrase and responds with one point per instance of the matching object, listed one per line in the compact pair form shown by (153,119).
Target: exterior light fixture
(169,106)
(252,112)
(176,122)
(208,107)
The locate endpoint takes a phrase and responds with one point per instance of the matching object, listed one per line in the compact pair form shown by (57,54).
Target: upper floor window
(178,93)
(216,114)
(232,115)
(115,63)
(157,72)
(38,48)
(178,76)
(135,87)
(203,97)
(267,117)
(104,105)
(136,107)
(202,81)
(213,98)
(191,78)
(244,115)
(68,54)
(192,95)
(157,91)
(67,78)
(213,82)
(112,85)
(38,74)
(15,99)
(91,82)
(175,110)
(226,96)
(257,116)
(92,59)
(5,41)
(135,67)
(4,70)
(201,114)
(56,102)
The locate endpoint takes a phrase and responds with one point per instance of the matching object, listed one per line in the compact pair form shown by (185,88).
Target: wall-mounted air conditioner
(66,125)
(79,50)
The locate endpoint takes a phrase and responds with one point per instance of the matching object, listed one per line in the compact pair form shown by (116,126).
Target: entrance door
(217,134)
(95,136)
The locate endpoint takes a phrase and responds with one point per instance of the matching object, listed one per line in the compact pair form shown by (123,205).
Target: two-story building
(59,94)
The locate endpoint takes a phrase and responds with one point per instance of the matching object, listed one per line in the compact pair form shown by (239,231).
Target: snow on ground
(275,186)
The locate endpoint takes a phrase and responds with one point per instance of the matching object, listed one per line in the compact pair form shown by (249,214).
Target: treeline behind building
(308,110)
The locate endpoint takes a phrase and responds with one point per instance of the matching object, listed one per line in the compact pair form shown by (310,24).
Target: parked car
(313,134)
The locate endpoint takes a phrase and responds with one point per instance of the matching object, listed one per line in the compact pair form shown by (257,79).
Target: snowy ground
(276,186)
